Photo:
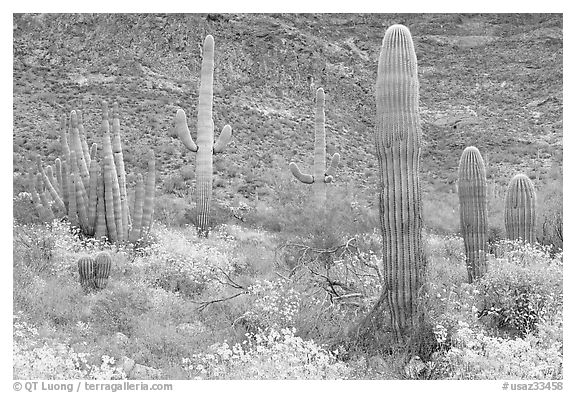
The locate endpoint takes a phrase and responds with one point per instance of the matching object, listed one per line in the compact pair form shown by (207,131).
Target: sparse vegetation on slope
(282,289)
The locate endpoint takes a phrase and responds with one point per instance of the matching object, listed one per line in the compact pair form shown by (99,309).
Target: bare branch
(205,304)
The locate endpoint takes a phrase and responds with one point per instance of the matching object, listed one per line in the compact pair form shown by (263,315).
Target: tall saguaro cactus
(321,176)
(473,210)
(520,209)
(205,145)
(398,140)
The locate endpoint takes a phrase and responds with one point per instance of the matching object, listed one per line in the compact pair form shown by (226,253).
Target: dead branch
(204,304)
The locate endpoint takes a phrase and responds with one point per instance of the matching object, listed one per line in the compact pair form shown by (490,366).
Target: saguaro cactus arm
(320,174)
(329,176)
(223,139)
(183,131)
(303,177)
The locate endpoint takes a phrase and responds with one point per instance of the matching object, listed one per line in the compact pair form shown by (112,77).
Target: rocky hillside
(493,81)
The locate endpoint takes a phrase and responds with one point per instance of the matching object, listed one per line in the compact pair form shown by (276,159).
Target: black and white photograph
(274,196)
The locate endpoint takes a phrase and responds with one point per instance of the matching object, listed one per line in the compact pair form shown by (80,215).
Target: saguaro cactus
(205,146)
(398,139)
(321,176)
(473,211)
(520,209)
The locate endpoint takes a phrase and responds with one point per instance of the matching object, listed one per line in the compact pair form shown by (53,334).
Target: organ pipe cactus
(473,211)
(100,230)
(91,190)
(520,209)
(148,206)
(119,163)
(138,208)
(321,176)
(111,184)
(398,141)
(205,145)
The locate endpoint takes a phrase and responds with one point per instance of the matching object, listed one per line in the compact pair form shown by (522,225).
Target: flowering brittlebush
(273,354)
(35,359)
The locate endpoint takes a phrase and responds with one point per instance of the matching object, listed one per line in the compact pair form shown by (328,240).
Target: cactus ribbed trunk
(398,139)
(320,174)
(473,211)
(520,209)
(77,148)
(90,191)
(319,185)
(135,233)
(93,196)
(100,230)
(150,186)
(205,139)
(102,267)
(205,145)
(121,172)
(83,141)
(86,271)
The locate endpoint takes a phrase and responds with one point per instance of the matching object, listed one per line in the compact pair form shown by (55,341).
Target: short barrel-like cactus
(86,269)
(473,211)
(520,209)
(102,267)
(95,272)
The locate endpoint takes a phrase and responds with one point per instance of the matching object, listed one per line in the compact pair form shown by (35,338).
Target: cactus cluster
(91,191)
(473,211)
(398,140)
(94,272)
(520,209)
(321,176)
(205,146)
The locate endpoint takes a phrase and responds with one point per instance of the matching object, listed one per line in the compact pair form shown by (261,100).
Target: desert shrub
(440,212)
(506,325)
(118,308)
(23,209)
(33,247)
(273,304)
(550,217)
(178,261)
(445,253)
(51,298)
(171,210)
(161,344)
(174,184)
(292,212)
(495,235)
(521,289)
(187,172)
(476,355)
(271,354)
(220,213)
(34,358)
